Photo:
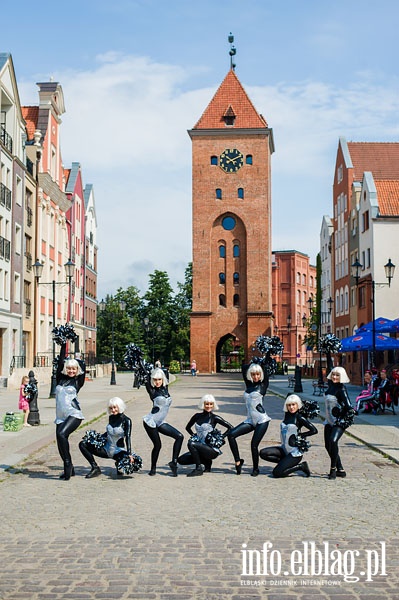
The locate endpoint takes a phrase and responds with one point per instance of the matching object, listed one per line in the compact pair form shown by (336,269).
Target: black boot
(62,476)
(173,468)
(239,466)
(95,472)
(333,473)
(195,472)
(304,467)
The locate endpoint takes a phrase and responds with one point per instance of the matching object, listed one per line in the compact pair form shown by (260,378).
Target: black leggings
(286,463)
(332,435)
(242,429)
(165,429)
(199,454)
(89,452)
(63,431)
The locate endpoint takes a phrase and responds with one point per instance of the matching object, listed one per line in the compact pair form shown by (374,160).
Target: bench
(319,388)
(291,381)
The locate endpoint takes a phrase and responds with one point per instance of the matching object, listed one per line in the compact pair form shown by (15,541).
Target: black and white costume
(154,424)
(257,420)
(201,450)
(337,407)
(68,415)
(118,443)
(288,456)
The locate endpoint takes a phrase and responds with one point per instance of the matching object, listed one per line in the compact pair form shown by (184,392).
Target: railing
(6,138)
(28,257)
(42,360)
(5,196)
(28,307)
(29,216)
(5,247)
(18,362)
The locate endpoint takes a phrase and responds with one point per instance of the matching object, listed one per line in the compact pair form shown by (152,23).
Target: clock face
(231,160)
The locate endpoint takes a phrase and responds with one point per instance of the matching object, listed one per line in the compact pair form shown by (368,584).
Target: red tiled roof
(381,158)
(230,98)
(388,197)
(30,114)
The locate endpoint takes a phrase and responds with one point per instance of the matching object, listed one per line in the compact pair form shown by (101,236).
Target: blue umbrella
(381,325)
(364,341)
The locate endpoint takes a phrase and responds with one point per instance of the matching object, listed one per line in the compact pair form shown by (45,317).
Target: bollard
(34,416)
(298,379)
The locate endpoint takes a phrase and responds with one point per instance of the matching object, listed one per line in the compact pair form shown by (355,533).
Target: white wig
(292,399)
(207,398)
(71,362)
(254,368)
(343,377)
(116,402)
(158,374)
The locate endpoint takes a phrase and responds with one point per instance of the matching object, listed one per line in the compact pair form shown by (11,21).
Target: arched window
(241,193)
(222,300)
(222,251)
(214,160)
(248,159)
(236,250)
(236,278)
(222,278)
(236,300)
(218,193)
(303,279)
(298,278)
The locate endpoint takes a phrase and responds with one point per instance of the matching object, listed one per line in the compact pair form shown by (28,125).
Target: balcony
(6,139)
(28,308)
(28,257)
(29,216)
(5,196)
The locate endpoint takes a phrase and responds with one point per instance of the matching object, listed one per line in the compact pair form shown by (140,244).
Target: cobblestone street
(167,538)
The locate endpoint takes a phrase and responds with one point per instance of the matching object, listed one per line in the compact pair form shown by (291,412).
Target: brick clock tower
(231,198)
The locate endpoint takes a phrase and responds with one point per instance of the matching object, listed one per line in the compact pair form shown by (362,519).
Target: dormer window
(229,117)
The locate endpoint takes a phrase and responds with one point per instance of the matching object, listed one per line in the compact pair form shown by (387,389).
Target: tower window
(222,300)
(241,193)
(218,192)
(214,160)
(248,159)
(236,300)
(222,251)
(236,278)
(222,278)
(229,117)
(228,223)
(236,250)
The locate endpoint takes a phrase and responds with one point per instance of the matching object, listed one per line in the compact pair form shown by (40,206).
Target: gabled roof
(31,115)
(72,177)
(381,158)
(230,100)
(388,197)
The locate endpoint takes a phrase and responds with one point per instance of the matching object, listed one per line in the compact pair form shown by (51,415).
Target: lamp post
(103,306)
(389,273)
(316,327)
(69,271)
(147,328)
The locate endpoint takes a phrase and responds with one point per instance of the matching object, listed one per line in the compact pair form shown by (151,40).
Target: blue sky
(137,74)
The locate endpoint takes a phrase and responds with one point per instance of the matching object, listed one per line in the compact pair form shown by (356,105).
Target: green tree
(182,305)
(158,309)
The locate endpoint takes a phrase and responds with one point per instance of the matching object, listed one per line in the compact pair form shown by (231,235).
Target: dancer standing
(154,422)
(205,446)
(289,455)
(70,378)
(339,416)
(257,419)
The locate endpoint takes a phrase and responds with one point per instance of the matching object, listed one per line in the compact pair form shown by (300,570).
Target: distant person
(158,364)
(193,368)
(23,403)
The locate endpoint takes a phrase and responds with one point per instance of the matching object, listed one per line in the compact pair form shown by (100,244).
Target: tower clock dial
(231,160)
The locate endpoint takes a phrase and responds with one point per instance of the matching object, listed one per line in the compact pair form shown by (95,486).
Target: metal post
(373,316)
(113,378)
(53,366)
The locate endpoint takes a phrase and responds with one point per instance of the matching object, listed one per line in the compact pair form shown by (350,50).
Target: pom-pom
(30,391)
(194,438)
(346,420)
(97,440)
(301,443)
(271,346)
(134,361)
(124,465)
(329,344)
(310,408)
(215,438)
(63,333)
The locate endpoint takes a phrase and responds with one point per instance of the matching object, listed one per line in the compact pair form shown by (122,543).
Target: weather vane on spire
(232,50)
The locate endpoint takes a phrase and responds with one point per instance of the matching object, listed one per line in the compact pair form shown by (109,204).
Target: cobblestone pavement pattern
(166,538)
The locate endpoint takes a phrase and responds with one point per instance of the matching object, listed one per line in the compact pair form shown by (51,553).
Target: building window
(303,279)
(222,278)
(228,223)
(222,251)
(214,160)
(366,223)
(236,278)
(298,278)
(218,193)
(241,193)
(222,300)
(236,300)
(236,250)
(362,296)
(248,159)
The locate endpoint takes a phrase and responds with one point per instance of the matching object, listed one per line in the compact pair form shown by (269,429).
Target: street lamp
(146,322)
(69,271)
(316,327)
(103,306)
(389,273)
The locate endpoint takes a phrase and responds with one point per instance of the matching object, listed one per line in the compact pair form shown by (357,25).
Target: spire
(232,52)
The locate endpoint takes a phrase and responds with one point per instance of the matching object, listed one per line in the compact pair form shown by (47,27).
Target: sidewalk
(380,432)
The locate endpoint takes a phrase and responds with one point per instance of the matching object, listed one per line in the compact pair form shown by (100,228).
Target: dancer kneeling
(112,443)
(204,444)
(288,456)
